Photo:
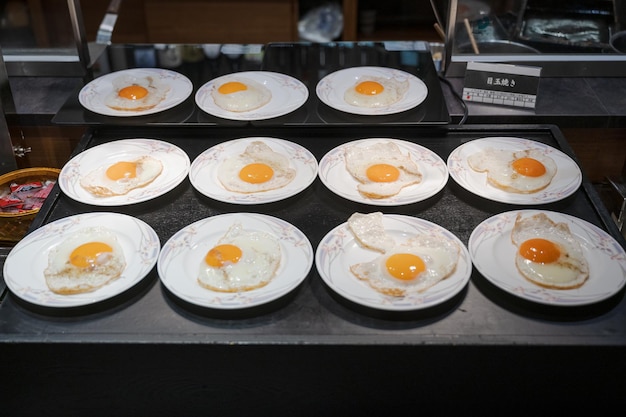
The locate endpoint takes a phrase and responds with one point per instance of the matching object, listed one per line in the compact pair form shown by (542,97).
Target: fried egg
(548,254)
(133,93)
(369,231)
(373,92)
(259,168)
(242,260)
(84,261)
(410,267)
(240,94)
(122,176)
(526,171)
(381,169)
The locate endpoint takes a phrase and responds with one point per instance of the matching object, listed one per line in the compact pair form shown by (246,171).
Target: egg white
(359,158)
(255,96)
(439,255)
(393,91)
(255,152)
(500,173)
(63,277)
(261,257)
(100,185)
(157,91)
(569,271)
(369,231)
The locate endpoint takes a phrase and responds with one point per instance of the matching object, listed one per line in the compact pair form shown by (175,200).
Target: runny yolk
(87,254)
(231,87)
(405,266)
(256,173)
(223,254)
(121,170)
(529,167)
(369,88)
(382,173)
(133,92)
(540,250)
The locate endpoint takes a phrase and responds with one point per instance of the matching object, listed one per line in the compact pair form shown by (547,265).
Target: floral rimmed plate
(339,249)
(330,90)
(288,94)
(493,254)
(566,181)
(204,170)
(92,96)
(183,253)
(335,176)
(25,264)
(175,169)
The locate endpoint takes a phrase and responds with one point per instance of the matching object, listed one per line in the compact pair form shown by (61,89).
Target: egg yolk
(87,254)
(232,87)
(529,167)
(256,173)
(223,254)
(133,92)
(405,266)
(540,251)
(369,88)
(121,170)
(382,173)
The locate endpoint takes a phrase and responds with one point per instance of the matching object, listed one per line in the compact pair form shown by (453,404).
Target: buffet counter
(313,351)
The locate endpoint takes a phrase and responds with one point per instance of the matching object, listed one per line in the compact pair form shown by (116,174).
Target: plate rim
(73,223)
(253,115)
(389,201)
(341,230)
(106,111)
(113,200)
(363,111)
(551,296)
(511,198)
(308,252)
(272,193)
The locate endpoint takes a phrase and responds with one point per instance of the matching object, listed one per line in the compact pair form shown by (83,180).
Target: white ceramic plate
(565,183)
(204,169)
(92,95)
(333,174)
(24,266)
(338,250)
(175,168)
(493,254)
(182,254)
(288,94)
(332,87)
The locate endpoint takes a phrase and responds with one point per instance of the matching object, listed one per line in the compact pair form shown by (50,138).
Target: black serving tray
(308,62)
(315,211)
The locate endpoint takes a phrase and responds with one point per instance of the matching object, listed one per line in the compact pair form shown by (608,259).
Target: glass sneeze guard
(566,38)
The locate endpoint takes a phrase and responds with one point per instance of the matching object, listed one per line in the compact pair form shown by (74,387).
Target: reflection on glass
(536,26)
(36,28)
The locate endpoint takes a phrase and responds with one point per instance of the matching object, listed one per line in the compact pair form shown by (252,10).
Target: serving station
(482,340)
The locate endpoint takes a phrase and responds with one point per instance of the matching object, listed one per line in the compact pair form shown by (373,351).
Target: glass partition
(564,37)
(43,37)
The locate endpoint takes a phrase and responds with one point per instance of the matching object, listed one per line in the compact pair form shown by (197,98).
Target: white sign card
(501,84)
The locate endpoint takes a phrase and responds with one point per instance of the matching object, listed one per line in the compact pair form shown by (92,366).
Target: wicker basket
(13,226)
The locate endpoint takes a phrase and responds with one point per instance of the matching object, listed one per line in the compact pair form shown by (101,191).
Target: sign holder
(501,84)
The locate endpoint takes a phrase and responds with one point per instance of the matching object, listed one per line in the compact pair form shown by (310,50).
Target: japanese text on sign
(504,82)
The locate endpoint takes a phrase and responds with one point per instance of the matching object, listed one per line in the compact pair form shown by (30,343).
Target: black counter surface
(312,352)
